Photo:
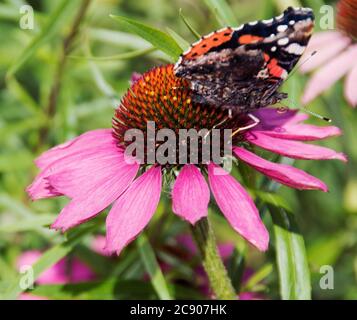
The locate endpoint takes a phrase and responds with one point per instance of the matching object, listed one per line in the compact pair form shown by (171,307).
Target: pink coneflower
(93,172)
(63,272)
(336,53)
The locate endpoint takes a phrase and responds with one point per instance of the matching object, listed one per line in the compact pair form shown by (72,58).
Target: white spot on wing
(273,49)
(239,28)
(283,41)
(295,48)
(253,23)
(292,22)
(284,74)
(282,28)
(269,20)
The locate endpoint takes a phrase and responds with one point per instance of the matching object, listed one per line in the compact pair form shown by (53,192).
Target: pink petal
(190,194)
(322,39)
(28,296)
(329,74)
(135,76)
(80,272)
(77,172)
(303,132)
(281,173)
(272,117)
(286,125)
(79,177)
(88,140)
(324,54)
(60,273)
(98,244)
(225,250)
(97,198)
(238,207)
(351,85)
(293,149)
(133,210)
(54,275)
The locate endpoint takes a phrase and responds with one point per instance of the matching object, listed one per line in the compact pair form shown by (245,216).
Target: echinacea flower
(336,53)
(94,172)
(63,272)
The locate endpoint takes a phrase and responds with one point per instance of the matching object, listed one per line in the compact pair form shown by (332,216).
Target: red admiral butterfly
(242,68)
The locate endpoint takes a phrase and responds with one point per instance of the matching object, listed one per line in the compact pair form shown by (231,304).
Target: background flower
(335,56)
(63,272)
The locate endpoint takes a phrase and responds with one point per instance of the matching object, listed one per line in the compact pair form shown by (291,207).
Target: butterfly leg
(256,121)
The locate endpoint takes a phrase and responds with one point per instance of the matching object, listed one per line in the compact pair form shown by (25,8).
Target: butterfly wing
(242,68)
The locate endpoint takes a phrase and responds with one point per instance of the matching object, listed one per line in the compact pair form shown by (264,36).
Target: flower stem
(212,262)
(60,68)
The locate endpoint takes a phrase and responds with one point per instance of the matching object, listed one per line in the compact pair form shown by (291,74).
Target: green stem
(212,262)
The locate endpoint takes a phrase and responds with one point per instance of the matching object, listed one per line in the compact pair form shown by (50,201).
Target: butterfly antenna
(299,65)
(314,114)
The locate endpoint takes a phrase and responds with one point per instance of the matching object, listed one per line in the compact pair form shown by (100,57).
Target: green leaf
(180,41)
(222,11)
(28,224)
(189,26)
(257,277)
(235,269)
(48,259)
(272,198)
(54,21)
(294,273)
(157,38)
(283,4)
(152,267)
(20,93)
(315,5)
(109,289)
(121,56)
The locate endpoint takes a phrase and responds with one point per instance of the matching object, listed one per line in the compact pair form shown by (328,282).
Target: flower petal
(350,87)
(282,173)
(133,210)
(271,118)
(303,132)
(79,178)
(97,198)
(238,207)
(322,39)
(293,149)
(286,125)
(324,53)
(329,74)
(190,194)
(89,140)
(76,173)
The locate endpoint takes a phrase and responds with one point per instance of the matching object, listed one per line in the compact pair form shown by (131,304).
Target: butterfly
(241,69)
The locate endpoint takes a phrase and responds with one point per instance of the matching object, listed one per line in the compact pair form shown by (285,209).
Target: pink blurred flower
(98,245)
(63,272)
(335,57)
(93,172)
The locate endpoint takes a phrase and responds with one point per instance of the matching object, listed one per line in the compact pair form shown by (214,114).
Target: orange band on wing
(214,40)
(274,69)
(247,38)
